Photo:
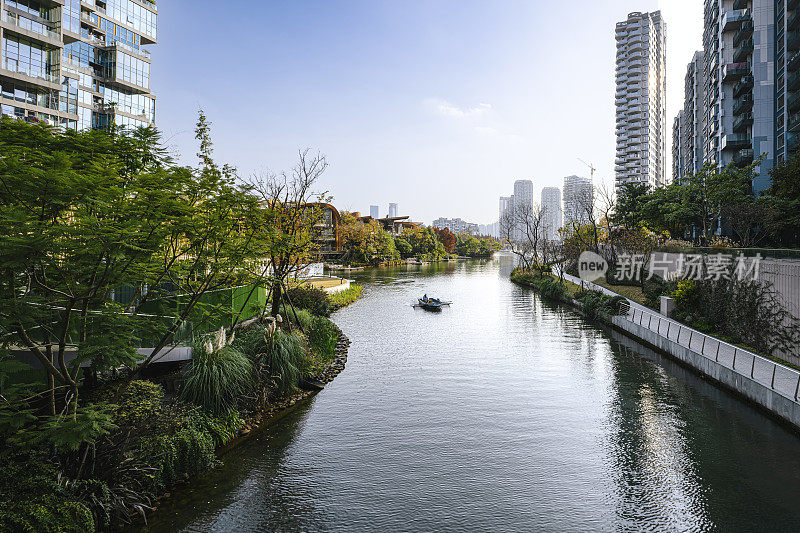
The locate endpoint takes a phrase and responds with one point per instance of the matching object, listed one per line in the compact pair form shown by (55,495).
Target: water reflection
(502,412)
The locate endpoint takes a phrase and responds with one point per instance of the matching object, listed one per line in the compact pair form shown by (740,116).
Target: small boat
(431,304)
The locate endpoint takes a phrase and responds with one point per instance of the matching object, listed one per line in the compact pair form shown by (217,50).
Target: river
(501,413)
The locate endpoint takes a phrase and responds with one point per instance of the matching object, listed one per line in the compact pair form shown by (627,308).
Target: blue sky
(438,106)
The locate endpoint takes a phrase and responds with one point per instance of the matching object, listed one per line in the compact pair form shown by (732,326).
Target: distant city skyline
(437,107)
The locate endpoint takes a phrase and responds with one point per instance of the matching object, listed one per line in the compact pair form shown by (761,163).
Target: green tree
(782,202)
(631,198)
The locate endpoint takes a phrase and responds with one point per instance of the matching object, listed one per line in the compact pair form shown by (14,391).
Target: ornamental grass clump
(285,361)
(280,359)
(218,376)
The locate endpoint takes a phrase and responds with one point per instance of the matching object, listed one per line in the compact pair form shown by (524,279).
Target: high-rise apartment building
(523,202)
(641,100)
(392,210)
(523,193)
(678,155)
(505,205)
(578,200)
(77,64)
(506,208)
(787,79)
(551,212)
(688,142)
(739,43)
(456,225)
(374,211)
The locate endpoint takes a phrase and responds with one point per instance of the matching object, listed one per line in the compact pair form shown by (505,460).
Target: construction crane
(591,167)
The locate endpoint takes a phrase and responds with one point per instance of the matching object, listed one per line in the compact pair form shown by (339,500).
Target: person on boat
(425,297)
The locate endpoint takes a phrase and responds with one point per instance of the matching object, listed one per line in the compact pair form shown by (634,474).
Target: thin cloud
(448,109)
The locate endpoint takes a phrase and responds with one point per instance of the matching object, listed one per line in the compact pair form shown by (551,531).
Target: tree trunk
(276,298)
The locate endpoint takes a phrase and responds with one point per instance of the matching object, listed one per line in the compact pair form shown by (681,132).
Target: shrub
(281,360)
(595,303)
(312,299)
(32,500)
(285,361)
(322,337)
(182,441)
(547,286)
(346,297)
(297,316)
(216,378)
(551,288)
(137,402)
(686,295)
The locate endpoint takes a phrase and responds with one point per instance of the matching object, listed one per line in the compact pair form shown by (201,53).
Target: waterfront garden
(367,243)
(112,259)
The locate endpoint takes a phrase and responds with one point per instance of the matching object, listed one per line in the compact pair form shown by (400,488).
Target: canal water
(501,413)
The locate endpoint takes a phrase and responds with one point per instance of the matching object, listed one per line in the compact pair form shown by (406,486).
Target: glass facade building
(78,64)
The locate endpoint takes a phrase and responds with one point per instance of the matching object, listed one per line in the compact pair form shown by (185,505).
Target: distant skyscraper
(578,199)
(506,202)
(694,115)
(392,210)
(523,193)
(455,225)
(505,205)
(641,100)
(678,154)
(689,127)
(374,211)
(551,211)
(523,200)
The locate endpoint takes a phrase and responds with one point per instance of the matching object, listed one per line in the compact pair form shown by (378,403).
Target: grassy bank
(346,297)
(137,441)
(593,304)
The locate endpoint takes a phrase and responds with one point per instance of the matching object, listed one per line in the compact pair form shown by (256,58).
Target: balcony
(745,103)
(734,19)
(743,86)
(740,4)
(793,63)
(794,123)
(743,157)
(794,143)
(793,42)
(743,51)
(733,71)
(736,141)
(90,19)
(740,124)
(744,33)
(793,83)
(793,21)
(31,75)
(793,102)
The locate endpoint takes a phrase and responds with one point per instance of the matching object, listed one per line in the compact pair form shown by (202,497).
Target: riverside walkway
(777,377)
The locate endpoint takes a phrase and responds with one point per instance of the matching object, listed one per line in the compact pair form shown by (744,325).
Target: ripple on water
(500,413)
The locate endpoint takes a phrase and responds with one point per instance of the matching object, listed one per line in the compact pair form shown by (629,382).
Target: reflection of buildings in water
(508,262)
(652,464)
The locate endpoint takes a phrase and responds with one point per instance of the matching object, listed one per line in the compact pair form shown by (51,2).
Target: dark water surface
(502,413)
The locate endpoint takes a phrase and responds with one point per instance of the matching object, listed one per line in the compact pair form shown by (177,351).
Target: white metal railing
(14,66)
(778,377)
(30,25)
